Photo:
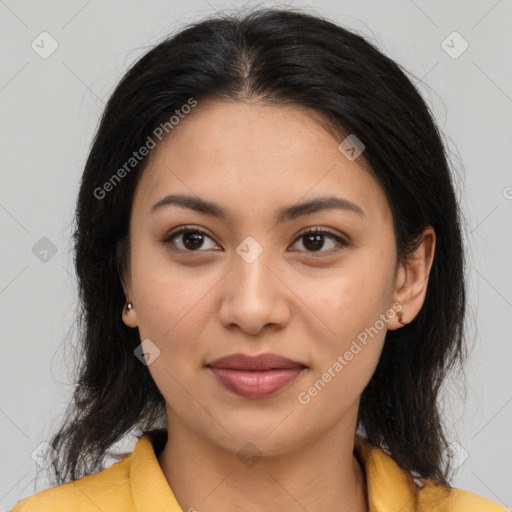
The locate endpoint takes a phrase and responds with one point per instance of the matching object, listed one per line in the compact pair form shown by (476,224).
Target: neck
(322,475)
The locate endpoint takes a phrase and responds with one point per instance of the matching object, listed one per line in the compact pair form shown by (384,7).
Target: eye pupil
(193,240)
(316,241)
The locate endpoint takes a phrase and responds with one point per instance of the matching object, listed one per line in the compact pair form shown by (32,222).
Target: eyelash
(312,231)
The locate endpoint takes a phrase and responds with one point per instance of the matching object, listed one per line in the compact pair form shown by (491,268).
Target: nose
(254,295)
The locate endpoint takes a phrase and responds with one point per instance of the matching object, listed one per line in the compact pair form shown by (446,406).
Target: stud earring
(400,315)
(129,306)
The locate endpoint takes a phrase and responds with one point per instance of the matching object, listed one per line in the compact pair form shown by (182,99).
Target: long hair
(278,57)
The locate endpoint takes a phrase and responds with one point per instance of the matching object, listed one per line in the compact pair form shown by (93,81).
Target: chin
(264,438)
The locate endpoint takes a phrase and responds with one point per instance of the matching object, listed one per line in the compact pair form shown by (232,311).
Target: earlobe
(129,315)
(412,280)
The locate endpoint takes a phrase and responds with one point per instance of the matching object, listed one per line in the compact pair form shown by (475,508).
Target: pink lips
(255,376)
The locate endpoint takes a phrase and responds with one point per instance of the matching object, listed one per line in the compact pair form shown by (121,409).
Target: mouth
(255,376)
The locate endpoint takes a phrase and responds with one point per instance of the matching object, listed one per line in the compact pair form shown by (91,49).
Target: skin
(198,306)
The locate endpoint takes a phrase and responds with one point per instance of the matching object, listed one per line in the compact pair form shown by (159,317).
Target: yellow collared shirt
(137,484)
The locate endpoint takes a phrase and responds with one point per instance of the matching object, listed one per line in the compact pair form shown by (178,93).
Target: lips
(255,376)
(260,362)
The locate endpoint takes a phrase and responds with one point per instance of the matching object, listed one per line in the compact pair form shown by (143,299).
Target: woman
(271,272)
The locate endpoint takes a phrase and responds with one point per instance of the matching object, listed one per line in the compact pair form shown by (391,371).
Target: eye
(314,241)
(187,239)
(190,239)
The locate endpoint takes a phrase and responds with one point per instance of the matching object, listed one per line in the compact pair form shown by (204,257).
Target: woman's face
(252,283)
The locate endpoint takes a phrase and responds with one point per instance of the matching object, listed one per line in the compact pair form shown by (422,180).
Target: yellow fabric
(137,484)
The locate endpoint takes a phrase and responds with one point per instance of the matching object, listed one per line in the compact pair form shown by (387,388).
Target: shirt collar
(389,487)
(150,489)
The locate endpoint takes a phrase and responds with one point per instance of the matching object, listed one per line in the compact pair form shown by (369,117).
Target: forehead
(243,154)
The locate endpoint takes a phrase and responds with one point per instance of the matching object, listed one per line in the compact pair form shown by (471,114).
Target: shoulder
(435,497)
(89,493)
(392,488)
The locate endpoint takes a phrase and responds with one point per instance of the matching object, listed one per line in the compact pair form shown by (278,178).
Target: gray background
(50,109)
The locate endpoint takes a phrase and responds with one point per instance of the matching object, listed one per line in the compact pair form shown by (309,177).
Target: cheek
(172,312)
(167,293)
(346,360)
(355,305)
(354,298)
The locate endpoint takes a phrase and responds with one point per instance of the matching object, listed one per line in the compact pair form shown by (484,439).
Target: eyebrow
(283,215)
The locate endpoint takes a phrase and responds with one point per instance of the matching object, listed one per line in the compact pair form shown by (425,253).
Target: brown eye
(314,240)
(188,240)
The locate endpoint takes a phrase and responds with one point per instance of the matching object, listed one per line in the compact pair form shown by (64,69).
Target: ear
(412,280)
(129,316)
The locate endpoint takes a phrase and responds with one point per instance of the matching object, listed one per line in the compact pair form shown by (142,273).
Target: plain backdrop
(459,54)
